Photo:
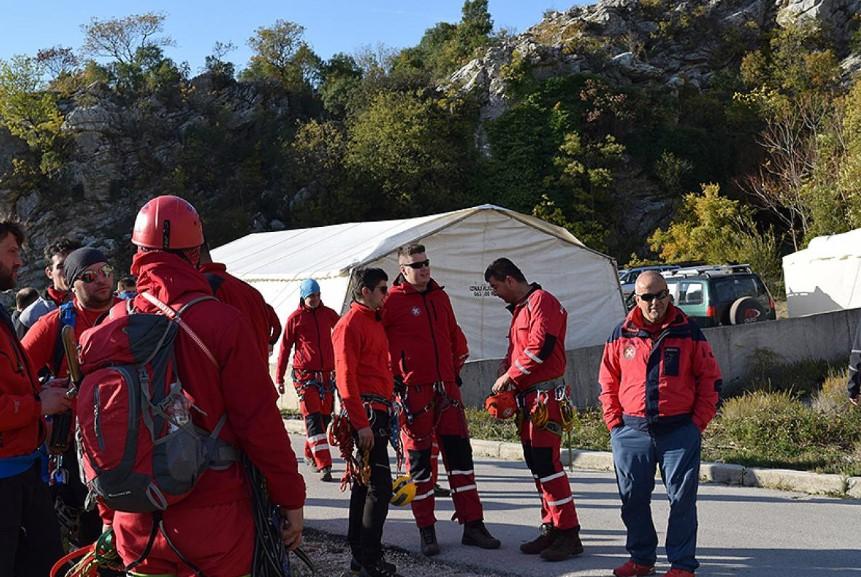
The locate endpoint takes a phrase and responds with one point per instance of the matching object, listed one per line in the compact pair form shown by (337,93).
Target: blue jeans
(636,454)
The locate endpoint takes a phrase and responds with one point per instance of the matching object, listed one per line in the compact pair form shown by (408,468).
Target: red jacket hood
(635,321)
(166,276)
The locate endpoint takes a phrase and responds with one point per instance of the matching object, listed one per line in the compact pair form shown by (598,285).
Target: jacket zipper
(433,336)
(319,341)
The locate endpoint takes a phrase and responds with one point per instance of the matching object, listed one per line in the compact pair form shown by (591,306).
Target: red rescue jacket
(536,339)
(42,340)
(658,374)
(241,389)
(310,330)
(425,342)
(362,364)
(21,427)
(238,293)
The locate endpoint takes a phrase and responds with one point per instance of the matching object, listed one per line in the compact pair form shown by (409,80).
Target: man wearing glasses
(364,379)
(428,350)
(91,280)
(660,385)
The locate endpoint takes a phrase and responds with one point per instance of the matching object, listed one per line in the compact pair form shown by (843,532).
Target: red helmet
(502,405)
(167,222)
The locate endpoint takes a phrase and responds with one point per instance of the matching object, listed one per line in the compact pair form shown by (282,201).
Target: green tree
(123,39)
(414,149)
(713,228)
(281,54)
(29,112)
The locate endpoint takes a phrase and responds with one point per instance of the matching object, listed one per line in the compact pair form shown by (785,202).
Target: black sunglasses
(419,264)
(91,275)
(649,297)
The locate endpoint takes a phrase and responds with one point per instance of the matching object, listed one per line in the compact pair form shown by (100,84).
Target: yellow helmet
(403,491)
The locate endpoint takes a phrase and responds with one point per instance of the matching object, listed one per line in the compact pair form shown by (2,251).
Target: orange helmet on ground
(167,222)
(502,405)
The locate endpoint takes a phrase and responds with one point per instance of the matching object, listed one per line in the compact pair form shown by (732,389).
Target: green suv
(721,295)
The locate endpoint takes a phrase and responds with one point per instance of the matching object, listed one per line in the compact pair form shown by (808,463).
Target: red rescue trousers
(435,413)
(218,540)
(316,391)
(541,452)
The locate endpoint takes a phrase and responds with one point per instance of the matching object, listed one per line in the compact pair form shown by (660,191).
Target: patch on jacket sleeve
(629,352)
(671,361)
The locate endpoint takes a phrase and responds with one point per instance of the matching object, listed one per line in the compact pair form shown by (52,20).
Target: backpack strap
(68,315)
(175,316)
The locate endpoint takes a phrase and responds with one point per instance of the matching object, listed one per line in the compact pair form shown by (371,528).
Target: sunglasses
(418,265)
(89,276)
(649,297)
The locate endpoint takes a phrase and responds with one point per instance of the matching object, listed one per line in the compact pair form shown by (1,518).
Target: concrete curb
(723,473)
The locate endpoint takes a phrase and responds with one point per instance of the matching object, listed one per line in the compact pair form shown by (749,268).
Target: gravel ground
(331,556)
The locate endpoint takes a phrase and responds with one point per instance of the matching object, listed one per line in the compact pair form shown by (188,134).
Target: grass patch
(811,427)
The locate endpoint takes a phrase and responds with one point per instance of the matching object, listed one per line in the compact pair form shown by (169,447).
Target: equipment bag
(141,451)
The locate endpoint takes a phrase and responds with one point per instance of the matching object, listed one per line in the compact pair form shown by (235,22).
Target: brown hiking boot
(566,544)
(546,533)
(429,545)
(477,535)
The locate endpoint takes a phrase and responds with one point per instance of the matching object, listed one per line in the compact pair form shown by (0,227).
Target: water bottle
(178,412)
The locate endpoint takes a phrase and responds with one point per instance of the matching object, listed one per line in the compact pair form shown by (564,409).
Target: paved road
(743,531)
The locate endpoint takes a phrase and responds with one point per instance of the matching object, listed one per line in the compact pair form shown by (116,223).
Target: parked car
(628,276)
(721,295)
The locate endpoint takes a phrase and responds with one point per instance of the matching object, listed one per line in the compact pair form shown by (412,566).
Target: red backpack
(140,450)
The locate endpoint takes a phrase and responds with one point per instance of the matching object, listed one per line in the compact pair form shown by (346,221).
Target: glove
(400,386)
(459,381)
(281,388)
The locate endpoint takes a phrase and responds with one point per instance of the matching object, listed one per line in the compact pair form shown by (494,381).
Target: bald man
(660,385)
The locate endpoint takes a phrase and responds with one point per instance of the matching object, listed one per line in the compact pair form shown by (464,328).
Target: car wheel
(747,310)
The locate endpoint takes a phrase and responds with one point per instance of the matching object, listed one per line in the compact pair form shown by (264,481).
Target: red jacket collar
(213,267)
(364,311)
(401,286)
(58,296)
(166,276)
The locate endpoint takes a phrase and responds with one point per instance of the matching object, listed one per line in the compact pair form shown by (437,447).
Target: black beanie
(78,260)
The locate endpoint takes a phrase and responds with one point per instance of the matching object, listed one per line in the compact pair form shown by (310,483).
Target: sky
(331,26)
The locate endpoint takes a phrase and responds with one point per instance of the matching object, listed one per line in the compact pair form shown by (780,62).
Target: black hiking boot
(477,535)
(356,567)
(440,491)
(566,544)
(379,569)
(429,545)
(546,534)
(325,474)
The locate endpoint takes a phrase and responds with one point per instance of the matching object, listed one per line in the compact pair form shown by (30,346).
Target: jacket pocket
(671,361)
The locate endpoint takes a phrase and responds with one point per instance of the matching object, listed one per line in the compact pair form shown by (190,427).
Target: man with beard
(91,279)
(29,535)
(534,370)
(54,295)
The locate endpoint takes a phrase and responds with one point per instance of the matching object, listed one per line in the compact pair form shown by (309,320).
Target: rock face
(634,41)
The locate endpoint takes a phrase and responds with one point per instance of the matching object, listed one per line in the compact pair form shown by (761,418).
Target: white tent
(826,276)
(460,245)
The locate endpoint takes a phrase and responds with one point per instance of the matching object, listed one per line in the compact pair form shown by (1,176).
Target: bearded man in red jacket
(428,350)
(90,279)
(29,534)
(213,527)
(534,368)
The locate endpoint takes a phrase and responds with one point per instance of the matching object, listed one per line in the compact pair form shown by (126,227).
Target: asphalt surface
(743,531)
